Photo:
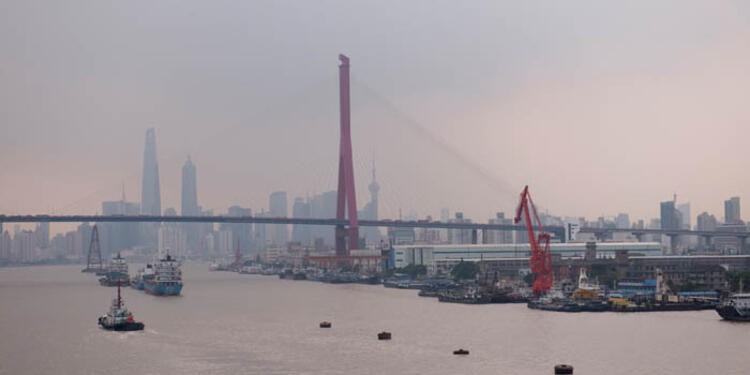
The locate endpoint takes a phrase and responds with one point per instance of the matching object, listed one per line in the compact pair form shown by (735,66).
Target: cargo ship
(116,273)
(143,274)
(735,308)
(118,318)
(167,278)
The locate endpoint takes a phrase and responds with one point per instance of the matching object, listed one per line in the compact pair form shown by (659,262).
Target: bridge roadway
(558,230)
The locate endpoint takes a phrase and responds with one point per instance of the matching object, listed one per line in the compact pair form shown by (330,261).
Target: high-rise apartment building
(460,236)
(622,221)
(323,206)
(732,211)
(705,222)
(241,232)
(277,206)
(499,236)
(670,217)
(684,209)
(118,236)
(301,232)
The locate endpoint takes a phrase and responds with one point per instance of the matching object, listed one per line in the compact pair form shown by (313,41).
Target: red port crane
(541,260)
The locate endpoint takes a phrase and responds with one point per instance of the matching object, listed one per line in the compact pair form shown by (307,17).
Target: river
(227,323)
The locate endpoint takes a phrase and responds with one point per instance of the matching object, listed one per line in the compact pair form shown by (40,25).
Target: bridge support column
(346,200)
(639,236)
(707,241)
(484,236)
(473,236)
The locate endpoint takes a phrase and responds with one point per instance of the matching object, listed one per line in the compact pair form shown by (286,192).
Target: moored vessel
(143,274)
(735,308)
(167,278)
(116,273)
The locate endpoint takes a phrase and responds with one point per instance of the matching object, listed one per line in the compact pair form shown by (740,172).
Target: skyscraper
(150,192)
(277,204)
(323,206)
(189,190)
(684,209)
(670,217)
(732,211)
(194,232)
(118,236)
(301,232)
(240,232)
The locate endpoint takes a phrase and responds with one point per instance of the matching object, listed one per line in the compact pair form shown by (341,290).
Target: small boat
(118,318)
(384,335)
(461,352)
(325,324)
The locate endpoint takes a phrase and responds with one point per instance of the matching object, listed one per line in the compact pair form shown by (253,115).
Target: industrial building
(431,255)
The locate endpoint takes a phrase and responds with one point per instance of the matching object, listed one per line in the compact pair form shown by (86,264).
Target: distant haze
(601,107)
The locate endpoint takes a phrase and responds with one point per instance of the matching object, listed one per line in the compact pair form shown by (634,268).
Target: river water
(226,323)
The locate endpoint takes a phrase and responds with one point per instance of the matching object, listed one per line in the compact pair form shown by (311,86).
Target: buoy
(563,369)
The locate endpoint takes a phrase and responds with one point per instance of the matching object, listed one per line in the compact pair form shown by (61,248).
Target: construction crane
(541,260)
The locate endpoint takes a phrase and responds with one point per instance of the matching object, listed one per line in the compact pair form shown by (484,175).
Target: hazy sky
(601,107)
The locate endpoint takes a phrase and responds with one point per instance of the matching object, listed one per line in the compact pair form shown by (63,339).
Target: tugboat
(118,318)
(167,278)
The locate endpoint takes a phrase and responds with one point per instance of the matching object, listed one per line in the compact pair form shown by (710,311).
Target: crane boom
(541,259)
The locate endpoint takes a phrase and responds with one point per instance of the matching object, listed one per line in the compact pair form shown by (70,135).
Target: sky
(600,107)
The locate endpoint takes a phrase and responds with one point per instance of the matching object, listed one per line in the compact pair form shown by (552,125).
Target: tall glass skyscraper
(150,192)
(193,231)
(189,190)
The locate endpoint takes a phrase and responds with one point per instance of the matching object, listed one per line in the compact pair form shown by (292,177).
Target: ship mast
(119,299)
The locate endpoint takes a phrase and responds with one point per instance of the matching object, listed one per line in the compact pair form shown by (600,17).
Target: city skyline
(278,203)
(617,126)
